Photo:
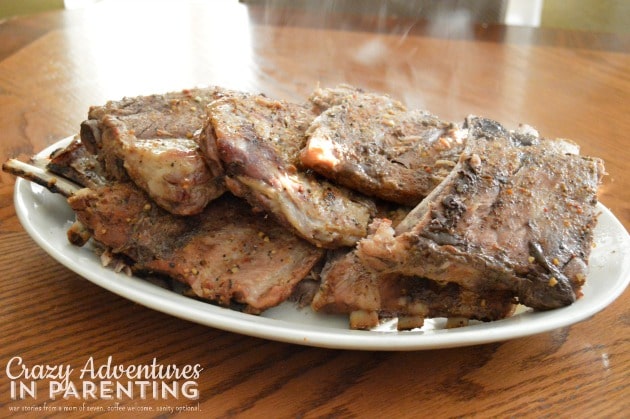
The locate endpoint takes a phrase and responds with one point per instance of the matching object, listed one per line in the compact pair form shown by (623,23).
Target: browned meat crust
(150,140)
(257,140)
(373,144)
(170,115)
(226,254)
(348,286)
(509,217)
(74,162)
(512,222)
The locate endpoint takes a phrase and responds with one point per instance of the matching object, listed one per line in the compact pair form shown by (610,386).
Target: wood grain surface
(566,84)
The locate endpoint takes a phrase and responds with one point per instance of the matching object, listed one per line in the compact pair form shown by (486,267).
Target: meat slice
(257,140)
(170,115)
(150,140)
(76,163)
(373,144)
(510,216)
(171,170)
(226,254)
(348,286)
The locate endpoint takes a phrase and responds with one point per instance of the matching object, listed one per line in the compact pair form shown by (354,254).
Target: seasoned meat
(171,170)
(324,98)
(510,216)
(74,162)
(373,144)
(150,140)
(170,115)
(226,254)
(348,286)
(258,141)
(499,217)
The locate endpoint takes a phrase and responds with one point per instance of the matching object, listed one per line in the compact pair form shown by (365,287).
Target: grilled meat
(169,115)
(76,163)
(350,287)
(324,98)
(171,170)
(226,254)
(150,139)
(503,217)
(258,141)
(373,144)
(510,216)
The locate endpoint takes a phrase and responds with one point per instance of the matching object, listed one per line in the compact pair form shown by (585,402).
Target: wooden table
(54,66)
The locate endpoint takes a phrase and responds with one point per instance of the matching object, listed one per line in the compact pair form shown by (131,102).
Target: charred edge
(537,252)
(545,292)
(484,127)
(90,135)
(78,234)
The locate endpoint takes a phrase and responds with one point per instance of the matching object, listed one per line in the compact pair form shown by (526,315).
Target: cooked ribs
(169,115)
(257,140)
(373,144)
(226,254)
(76,163)
(150,139)
(350,287)
(419,218)
(510,216)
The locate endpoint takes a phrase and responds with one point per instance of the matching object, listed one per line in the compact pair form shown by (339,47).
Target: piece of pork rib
(348,286)
(257,140)
(372,144)
(510,216)
(151,162)
(226,254)
(150,140)
(76,163)
(170,115)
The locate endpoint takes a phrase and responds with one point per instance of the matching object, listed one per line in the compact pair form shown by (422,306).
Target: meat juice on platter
(348,202)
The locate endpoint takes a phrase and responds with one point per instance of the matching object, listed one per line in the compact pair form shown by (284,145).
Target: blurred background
(587,15)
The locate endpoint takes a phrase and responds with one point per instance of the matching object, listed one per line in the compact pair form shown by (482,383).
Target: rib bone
(36,172)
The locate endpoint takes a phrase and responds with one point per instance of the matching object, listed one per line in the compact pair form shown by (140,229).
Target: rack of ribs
(226,254)
(150,140)
(350,287)
(511,216)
